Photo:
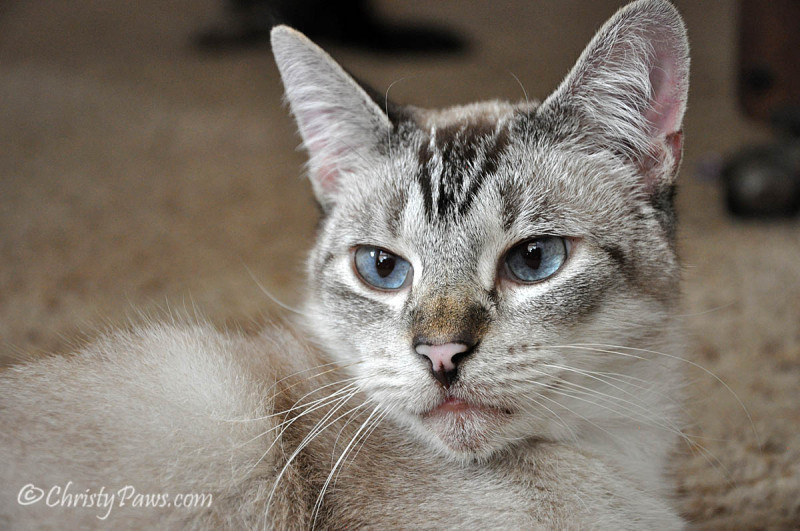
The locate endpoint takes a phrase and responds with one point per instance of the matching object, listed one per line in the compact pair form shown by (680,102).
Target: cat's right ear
(629,89)
(340,124)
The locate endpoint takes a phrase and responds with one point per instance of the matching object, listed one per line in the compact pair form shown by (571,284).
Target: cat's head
(488,268)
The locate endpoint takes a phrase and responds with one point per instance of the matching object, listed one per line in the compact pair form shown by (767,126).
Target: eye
(536,259)
(381,269)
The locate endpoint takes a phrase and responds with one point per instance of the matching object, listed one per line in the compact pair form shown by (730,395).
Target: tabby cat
(489,338)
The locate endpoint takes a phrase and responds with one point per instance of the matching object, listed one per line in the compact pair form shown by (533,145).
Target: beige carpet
(137,175)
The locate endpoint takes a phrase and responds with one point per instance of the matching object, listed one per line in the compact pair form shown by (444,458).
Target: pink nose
(441,356)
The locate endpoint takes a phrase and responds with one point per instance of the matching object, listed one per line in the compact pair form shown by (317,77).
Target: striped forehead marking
(454,164)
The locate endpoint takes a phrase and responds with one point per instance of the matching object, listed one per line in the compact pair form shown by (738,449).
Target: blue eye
(536,259)
(381,269)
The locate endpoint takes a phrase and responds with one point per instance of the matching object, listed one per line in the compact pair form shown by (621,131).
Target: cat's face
(472,263)
(614,285)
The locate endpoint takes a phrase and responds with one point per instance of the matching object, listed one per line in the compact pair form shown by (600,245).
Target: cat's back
(156,411)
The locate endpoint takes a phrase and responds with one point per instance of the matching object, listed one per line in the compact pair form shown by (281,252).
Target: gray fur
(578,372)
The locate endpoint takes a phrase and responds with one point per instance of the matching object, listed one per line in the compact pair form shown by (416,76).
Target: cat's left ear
(340,123)
(629,89)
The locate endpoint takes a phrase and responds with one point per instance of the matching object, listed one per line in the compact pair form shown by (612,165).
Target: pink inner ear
(675,145)
(327,177)
(666,108)
(653,169)
(326,169)
(319,130)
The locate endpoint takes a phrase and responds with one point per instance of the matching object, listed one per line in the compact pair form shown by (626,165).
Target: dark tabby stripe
(469,152)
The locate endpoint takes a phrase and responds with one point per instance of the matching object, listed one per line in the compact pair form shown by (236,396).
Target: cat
(489,338)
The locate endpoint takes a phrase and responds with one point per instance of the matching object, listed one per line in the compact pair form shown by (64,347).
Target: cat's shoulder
(162,360)
(158,407)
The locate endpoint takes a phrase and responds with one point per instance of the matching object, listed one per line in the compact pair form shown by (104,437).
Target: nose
(444,359)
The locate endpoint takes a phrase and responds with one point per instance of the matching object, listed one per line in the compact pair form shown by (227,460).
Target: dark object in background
(765,181)
(769,57)
(346,22)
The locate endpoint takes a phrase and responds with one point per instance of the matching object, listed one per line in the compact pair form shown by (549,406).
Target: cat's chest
(543,486)
(414,495)
(403,486)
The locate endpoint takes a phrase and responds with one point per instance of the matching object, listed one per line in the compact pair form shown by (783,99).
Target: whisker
(339,435)
(524,92)
(710,310)
(272,297)
(320,427)
(591,346)
(318,502)
(647,389)
(608,398)
(315,390)
(575,413)
(527,102)
(558,418)
(285,424)
(691,441)
(592,375)
(271,398)
(349,364)
(375,424)
(386,110)
(311,407)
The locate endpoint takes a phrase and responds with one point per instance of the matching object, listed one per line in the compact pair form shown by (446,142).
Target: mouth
(465,426)
(451,405)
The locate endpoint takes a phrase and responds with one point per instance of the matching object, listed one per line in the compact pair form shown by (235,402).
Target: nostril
(444,359)
(458,358)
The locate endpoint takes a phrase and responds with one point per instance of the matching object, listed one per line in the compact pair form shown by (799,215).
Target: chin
(465,431)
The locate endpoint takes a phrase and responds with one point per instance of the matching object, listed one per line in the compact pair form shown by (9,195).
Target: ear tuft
(340,124)
(630,87)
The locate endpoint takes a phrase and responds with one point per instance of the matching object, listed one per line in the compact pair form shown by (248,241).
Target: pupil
(384,263)
(532,255)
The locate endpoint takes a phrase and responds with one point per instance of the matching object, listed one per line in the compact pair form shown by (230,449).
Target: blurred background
(147,165)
